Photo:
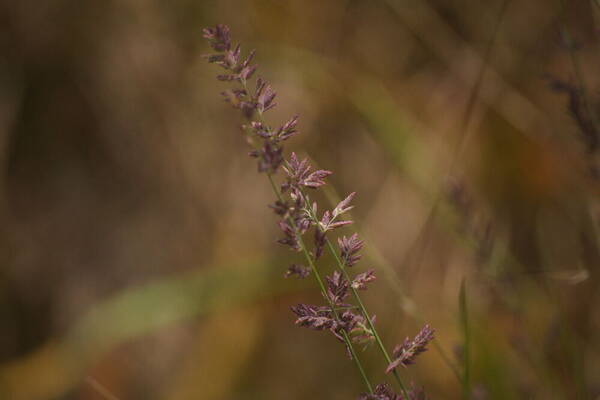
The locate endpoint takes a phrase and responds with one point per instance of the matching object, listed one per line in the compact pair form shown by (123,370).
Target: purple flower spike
(349,247)
(246,63)
(337,288)
(234,96)
(344,205)
(218,37)
(384,392)
(280,208)
(406,353)
(298,214)
(313,317)
(381,392)
(320,241)
(288,129)
(298,173)
(271,157)
(328,222)
(264,96)
(298,270)
(360,281)
(295,170)
(315,179)
(290,238)
(226,77)
(246,73)
(339,224)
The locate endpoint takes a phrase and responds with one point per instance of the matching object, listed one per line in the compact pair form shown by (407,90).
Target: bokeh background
(138,257)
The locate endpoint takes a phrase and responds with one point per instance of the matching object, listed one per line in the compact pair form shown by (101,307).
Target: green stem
(361,305)
(365,313)
(311,263)
(317,275)
(334,198)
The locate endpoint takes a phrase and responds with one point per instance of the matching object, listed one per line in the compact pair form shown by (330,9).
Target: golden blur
(138,254)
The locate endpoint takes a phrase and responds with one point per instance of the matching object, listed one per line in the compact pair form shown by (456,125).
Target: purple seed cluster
(304,229)
(384,392)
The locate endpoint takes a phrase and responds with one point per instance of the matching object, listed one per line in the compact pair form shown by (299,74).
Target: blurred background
(138,257)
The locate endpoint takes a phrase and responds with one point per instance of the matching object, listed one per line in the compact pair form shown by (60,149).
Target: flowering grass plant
(307,231)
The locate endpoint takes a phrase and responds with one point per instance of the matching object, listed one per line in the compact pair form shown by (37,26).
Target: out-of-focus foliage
(138,254)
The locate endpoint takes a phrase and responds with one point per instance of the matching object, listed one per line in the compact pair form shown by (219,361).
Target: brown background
(137,252)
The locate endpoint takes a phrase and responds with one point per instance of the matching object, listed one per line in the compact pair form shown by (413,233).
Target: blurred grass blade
(464,323)
(130,314)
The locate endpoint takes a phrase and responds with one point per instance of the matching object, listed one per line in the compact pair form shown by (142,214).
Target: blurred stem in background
(466,347)
(576,66)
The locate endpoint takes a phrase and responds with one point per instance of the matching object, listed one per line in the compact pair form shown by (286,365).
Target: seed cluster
(349,322)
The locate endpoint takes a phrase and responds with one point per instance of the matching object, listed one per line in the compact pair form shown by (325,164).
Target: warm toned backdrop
(137,252)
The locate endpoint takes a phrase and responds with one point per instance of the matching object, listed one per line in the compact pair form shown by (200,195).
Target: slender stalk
(317,275)
(365,313)
(361,305)
(310,260)
(271,158)
(334,198)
